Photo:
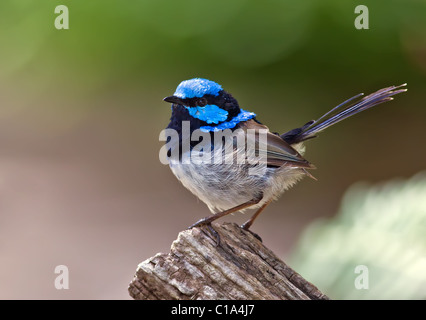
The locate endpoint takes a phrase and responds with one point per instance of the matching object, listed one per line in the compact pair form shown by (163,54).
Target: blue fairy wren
(226,188)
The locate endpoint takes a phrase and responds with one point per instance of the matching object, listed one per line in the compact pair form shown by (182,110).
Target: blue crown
(196,88)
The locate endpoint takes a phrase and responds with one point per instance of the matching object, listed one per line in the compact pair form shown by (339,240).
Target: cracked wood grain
(240,268)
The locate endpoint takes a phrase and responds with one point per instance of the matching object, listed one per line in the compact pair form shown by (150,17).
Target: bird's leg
(208,220)
(246,225)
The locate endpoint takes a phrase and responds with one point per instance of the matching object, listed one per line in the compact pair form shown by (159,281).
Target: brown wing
(278,152)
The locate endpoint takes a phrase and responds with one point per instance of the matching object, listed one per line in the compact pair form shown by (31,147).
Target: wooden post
(241,267)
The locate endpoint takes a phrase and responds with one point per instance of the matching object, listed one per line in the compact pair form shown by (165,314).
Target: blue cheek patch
(196,88)
(242,116)
(209,113)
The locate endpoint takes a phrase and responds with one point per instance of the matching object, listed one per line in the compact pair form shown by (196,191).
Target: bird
(202,106)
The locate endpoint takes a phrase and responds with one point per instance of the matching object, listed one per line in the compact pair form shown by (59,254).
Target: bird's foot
(246,227)
(208,224)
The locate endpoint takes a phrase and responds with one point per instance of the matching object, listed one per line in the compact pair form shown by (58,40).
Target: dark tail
(341,112)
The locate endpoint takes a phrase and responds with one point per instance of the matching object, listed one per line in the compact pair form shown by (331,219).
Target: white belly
(224,186)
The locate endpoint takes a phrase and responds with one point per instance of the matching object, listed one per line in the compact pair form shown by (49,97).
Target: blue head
(197,88)
(206,101)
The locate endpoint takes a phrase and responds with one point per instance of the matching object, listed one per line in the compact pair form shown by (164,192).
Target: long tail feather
(342,111)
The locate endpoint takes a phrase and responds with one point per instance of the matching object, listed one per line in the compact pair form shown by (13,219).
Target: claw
(201,223)
(244,227)
(215,233)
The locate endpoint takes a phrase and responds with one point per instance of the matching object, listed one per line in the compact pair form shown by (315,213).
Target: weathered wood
(241,267)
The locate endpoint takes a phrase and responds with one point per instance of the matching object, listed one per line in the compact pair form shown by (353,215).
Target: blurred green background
(81,112)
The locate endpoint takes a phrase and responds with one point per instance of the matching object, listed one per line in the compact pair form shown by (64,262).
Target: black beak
(173,99)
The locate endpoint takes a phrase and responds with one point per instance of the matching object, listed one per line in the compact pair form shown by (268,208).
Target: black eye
(202,102)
